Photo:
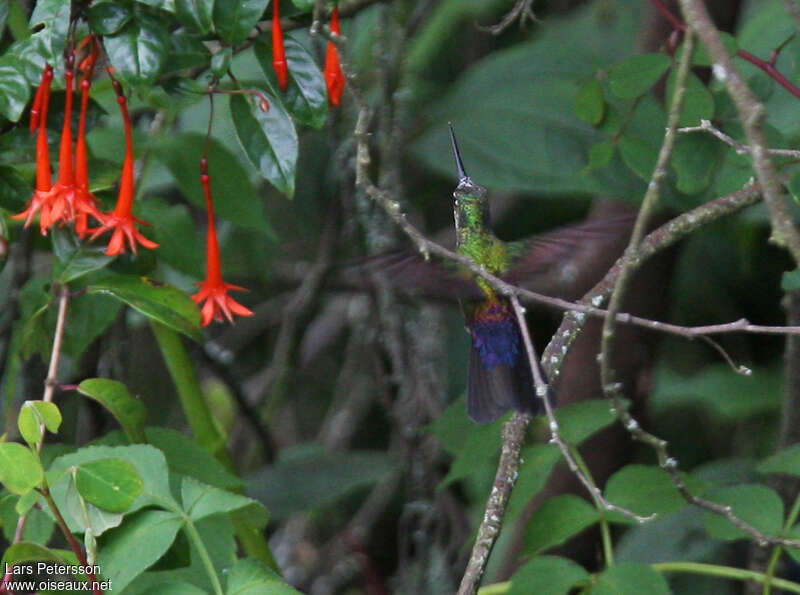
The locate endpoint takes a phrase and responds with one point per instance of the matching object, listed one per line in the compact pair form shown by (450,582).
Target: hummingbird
(499,376)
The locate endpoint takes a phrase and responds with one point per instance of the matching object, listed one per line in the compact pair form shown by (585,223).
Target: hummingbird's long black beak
(462,174)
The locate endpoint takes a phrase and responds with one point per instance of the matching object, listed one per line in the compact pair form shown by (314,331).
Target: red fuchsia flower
(44,180)
(36,108)
(60,205)
(278,50)
(121,219)
(334,77)
(214,291)
(85,201)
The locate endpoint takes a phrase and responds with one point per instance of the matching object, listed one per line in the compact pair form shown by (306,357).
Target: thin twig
(73,543)
(740,148)
(522,10)
(51,381)
(58,338)
(611,388)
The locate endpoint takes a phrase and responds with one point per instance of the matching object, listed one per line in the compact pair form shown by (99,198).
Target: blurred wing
(543,251)
(566,261)
(413,275)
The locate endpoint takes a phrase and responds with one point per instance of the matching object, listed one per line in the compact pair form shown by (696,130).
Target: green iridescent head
(471,209)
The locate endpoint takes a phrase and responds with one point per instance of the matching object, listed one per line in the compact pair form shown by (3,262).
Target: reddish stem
(768,67)
(73,543)
(771,71)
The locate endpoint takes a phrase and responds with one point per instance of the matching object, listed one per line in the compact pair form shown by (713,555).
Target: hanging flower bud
(36,109)
(85,201)
(334,77)
(121,220)
(214,291)
(278,49)
(43,176)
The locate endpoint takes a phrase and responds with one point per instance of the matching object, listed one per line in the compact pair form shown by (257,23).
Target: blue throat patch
(496,336)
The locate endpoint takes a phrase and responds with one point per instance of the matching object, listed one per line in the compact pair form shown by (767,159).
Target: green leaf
(25,551)
(177,235)
(138,544)
(53,16)
(251,577)
(269,140)
(755,504)
(14,189)
(785,461)
(173,587)
(727,397)
(20,469)
(35,414)
(538,461)
(698,103)
(590,104)
(639,155)
(547,575)
(195,13)
(186,457)
(234,195)
(645,490)
(158,301)
(39,526)
(14,90)
(107,18)
(629,579)
(633,77)
(304,5)
(695,159)
(185,52)
(74,258)
(580,421)
(201,500)
(558,520)
(482,443)
(600,155)
(111,484)
(85,516)
(306,478)
(147,460)
(221,62)
(453,427)
(306,97)
(115,397)
(235,20)
(139,50)
(512,143)
(167,5)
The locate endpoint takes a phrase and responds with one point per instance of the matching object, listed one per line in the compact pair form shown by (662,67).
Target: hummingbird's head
(471,209)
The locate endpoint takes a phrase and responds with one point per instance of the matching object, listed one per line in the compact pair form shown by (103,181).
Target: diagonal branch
(751,114)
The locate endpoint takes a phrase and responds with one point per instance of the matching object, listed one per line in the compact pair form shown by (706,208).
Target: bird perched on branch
(560,262)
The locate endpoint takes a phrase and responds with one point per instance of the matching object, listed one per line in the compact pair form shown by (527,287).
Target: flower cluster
(69,200)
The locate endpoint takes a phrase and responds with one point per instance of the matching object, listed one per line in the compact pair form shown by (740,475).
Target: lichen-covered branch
(751,114)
